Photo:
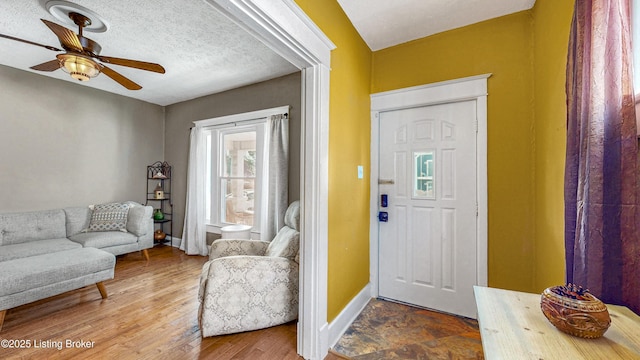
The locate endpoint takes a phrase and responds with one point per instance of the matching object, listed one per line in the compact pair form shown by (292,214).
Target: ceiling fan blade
(47,66)
(67,38)
(132,63)
(119,78)
(30,42)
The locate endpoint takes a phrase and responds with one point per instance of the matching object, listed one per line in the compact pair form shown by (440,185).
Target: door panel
(428,254)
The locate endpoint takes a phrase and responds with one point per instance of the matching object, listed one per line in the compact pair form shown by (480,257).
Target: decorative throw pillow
(109,217)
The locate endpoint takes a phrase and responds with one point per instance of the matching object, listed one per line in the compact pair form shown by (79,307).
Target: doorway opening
(285,28)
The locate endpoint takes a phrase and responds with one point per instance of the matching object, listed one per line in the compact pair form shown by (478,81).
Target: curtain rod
(235,123)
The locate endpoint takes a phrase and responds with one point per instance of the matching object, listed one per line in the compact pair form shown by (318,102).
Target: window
(236,168)
(238,178)
(424,186)
(234,172)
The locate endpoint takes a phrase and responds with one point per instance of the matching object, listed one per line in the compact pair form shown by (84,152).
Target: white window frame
(215,151)
(241,122)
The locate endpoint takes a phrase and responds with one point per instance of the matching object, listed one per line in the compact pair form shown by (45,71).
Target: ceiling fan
(80,55)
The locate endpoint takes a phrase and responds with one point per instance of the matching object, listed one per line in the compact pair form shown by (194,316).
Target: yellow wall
(502,47)
(552,19)
(349,141)
(526,53)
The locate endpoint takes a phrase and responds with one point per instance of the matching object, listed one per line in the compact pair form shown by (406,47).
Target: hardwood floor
(150,313)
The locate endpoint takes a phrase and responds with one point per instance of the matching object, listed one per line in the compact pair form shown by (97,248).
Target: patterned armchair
(248,284)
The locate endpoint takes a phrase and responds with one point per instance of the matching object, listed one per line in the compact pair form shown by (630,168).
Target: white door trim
(470,88)
(286,29)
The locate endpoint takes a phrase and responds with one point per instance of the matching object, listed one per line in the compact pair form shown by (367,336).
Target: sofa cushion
(104,239)
(109,217)
(16,228)
(78,219)
(137,222)
(18,251)
(29,273)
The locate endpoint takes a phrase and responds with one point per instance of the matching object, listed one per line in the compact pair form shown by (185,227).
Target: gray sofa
(45,253)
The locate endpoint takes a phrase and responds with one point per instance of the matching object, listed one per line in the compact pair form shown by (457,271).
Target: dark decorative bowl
(575,311)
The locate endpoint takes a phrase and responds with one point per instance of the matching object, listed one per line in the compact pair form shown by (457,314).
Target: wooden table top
(512,326)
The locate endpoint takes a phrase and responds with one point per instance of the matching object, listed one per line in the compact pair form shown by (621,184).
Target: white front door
(427,169)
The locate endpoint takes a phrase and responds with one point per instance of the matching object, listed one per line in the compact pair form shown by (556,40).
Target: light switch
(360,172)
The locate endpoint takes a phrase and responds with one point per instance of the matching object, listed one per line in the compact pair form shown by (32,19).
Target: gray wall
(64,144)
(179,119)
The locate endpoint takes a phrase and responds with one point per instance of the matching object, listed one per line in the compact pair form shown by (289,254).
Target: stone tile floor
(388,330)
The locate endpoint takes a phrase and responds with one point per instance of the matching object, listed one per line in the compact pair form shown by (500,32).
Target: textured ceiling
(384,23)
(202,51)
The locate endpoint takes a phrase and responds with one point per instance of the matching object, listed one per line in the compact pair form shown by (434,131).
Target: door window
(423,178)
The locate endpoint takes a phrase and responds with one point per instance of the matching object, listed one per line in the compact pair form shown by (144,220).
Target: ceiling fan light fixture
(79,67)
(61,10)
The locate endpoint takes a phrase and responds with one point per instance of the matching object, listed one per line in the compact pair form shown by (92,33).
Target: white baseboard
(346,317)
(175,242)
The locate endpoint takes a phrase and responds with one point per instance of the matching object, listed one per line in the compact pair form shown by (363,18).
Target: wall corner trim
(291,34)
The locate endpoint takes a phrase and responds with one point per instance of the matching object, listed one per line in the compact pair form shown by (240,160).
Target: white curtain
(194,233)
(277,186)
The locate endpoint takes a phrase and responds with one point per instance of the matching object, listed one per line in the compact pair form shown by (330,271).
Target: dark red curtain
(602,210)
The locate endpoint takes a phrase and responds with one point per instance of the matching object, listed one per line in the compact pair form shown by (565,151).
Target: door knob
(383,216)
